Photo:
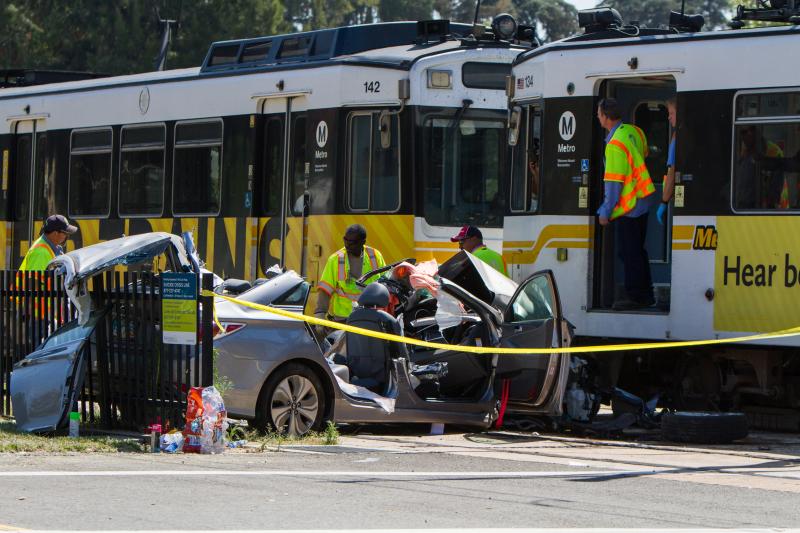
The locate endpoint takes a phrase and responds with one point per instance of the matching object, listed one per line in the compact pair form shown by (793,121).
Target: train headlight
(440,79)
(504,26)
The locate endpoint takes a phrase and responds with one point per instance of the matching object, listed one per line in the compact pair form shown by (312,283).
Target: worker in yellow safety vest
(627,201)
(470,239)
(338,292)
(55,232)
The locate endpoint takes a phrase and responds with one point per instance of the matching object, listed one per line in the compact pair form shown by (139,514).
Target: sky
(583,4)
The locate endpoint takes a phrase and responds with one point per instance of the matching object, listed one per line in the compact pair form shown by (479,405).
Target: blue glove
(662,208)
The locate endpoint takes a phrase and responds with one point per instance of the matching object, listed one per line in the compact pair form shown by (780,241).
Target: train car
(726,262)
(272,147)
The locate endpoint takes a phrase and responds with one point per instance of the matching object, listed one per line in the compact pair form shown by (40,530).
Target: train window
(463,163)
(255,52)
(90,173)
(766,152)
(197,168)
(485,75)
(299,165)
(323,42)
(141,172)
(525,181)
(223,55)
(294,47)
(45,184)
(273,167)
(373,171)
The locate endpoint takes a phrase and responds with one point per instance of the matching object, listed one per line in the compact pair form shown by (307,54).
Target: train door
(525,136)
(643,103)
(283,183)
(28,174)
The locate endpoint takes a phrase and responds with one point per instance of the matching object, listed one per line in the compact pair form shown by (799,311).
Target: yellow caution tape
(498,350)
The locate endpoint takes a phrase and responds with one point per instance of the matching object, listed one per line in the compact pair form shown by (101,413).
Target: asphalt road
(387,481)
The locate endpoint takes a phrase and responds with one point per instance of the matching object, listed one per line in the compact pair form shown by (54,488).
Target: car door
(46,384)
(533,319)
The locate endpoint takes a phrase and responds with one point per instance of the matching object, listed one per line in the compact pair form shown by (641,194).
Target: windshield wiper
(459,114)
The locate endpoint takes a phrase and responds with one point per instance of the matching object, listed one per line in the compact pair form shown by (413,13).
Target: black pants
(631,235)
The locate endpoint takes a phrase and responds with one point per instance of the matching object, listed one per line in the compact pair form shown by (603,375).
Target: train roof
(631,36)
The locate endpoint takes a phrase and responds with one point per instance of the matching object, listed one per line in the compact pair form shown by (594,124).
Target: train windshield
(464,157)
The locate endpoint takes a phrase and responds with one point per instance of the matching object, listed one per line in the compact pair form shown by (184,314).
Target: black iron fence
(132,378)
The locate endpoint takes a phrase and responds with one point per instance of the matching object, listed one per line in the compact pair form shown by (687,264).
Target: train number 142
(372,86)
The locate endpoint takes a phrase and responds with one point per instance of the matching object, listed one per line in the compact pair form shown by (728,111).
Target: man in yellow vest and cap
(470,239)
(338,291)
(628,198)
(55,232)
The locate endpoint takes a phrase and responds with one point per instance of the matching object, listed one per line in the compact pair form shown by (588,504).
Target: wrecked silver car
(282,376)
(47,383)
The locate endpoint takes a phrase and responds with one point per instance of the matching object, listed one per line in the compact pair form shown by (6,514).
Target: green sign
(179,308)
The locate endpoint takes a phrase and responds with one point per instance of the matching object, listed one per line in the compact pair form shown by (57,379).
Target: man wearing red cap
(470,239)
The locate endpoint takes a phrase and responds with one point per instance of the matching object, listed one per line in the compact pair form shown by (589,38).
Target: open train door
(25,182)
(643,101)
(525,136)
(283,181)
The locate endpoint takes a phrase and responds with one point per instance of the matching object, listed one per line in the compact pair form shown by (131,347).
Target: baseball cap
(465,233)
(58,223)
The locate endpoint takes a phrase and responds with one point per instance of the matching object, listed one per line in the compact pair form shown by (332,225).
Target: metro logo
(705,238)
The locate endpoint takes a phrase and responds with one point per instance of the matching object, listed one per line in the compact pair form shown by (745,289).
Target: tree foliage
(123,36)
(655,13)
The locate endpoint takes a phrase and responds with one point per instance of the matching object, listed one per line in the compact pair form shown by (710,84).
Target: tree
(390,10)
(551,19)
(655,13)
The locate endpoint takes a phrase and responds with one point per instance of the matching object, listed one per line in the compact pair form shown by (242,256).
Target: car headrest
(374,295)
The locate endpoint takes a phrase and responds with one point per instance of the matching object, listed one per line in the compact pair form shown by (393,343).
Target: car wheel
(292,402)
(703,428)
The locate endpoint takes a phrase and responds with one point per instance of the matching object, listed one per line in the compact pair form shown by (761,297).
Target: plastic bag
(205,421)
(212,438)
(172,442)
(194,420)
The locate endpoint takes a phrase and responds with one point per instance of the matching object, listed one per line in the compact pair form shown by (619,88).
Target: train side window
(766,152)
(373,171)
(90,173)
(197,168)
(525,182)
(273,167)
(298,167)
(141,172)
(45,182)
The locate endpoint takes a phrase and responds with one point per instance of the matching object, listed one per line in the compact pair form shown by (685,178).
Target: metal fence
(132,377)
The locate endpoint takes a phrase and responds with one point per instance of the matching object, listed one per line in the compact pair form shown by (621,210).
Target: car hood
(480,279)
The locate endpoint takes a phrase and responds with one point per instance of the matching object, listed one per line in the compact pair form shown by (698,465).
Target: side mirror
(514,120)
(385,126)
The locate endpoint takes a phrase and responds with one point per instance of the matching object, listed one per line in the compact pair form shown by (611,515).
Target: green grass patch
(273,440)
(13,441)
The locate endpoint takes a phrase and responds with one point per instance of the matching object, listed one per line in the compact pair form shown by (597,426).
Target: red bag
(194,420)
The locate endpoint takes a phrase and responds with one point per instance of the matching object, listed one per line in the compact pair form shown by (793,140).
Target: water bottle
(74,424)
(155,438)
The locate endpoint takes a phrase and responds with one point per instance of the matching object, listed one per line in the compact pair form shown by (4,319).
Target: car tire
(292,402)
(703,428)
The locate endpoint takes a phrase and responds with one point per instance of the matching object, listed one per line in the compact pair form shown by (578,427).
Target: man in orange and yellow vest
(628,198)
(54,234)
(338,291)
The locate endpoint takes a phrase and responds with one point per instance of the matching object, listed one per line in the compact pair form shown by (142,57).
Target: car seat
(369,358)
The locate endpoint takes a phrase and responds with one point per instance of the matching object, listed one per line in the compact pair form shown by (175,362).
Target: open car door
(47,383)
(533,319)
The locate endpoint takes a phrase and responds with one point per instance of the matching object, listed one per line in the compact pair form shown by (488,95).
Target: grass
(273,440)
(13,441)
